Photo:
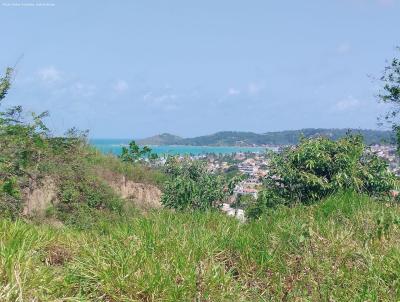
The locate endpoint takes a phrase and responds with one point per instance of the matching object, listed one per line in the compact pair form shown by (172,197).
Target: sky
(131,69)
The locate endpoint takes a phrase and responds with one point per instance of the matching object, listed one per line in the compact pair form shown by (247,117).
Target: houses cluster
(389,153)
(252,165)
(247,188)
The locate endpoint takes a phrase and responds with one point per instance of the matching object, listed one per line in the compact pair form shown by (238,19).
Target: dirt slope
(142,195)
(39,196)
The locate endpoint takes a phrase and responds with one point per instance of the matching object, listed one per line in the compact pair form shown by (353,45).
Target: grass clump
(345,248)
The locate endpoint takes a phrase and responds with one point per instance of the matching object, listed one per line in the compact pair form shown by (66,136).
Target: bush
(318,167)
(191,186)
(84,188)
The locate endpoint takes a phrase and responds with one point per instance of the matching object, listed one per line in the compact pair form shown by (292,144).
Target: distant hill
(289,137)
(161,139)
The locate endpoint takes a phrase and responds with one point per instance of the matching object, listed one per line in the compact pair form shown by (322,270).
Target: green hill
(161,139)
(289,137)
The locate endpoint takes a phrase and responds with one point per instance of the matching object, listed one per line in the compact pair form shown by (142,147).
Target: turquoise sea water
(114,146)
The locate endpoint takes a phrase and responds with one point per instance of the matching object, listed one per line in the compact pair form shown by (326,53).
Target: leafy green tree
(191,187)
(319,167)
(153,156)
(390,94)
(5,83)
(134,153)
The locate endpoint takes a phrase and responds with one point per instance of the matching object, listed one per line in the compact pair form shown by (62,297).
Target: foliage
(390,94)
(5,83)
(191,186)
(243,201)
(319,167)
(391,89)
(88,190)
(138,172)
(232,171)
(134,153)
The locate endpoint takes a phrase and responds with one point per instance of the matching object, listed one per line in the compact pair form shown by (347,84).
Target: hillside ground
(346,248)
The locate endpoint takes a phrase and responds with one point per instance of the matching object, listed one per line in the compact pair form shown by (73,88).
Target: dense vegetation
(345,248)
(319,167)
(390,94)
(191,187)
(161,139)
(290,137)
(134,153)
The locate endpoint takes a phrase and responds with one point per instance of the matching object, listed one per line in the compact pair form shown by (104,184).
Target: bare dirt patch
(142,195)
(39,196)
(57,255)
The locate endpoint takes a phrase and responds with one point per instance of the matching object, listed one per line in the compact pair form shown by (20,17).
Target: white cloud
(159,99)
(79,89)
(167,101)
(147,96)
(255,88)
(233,91)
(163,99)
(348,103)
(60,83)
(49,74)
(120,86)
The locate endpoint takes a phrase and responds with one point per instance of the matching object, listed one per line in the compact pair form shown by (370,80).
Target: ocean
(114,146)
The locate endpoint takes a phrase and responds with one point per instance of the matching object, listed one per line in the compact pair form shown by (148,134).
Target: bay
(114,146)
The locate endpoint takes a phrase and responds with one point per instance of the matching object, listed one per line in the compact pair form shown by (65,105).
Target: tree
(5,83)
(192,187)
(319,167)
(134,153)
(390,94)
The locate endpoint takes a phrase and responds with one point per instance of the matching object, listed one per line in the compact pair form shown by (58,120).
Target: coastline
(113,146)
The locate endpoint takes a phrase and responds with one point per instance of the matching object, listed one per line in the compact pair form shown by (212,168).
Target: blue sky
(138,68)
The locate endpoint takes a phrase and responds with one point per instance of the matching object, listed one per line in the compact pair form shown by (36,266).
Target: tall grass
(346,248)
(136,172)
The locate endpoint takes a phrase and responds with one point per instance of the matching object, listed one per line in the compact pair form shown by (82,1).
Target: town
(253,166)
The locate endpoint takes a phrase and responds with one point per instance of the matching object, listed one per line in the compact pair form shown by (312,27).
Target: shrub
(191,186)
(134,153)
(318,167)
(88,190)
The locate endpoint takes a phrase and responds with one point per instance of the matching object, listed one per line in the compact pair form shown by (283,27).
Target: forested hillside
(289,137)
